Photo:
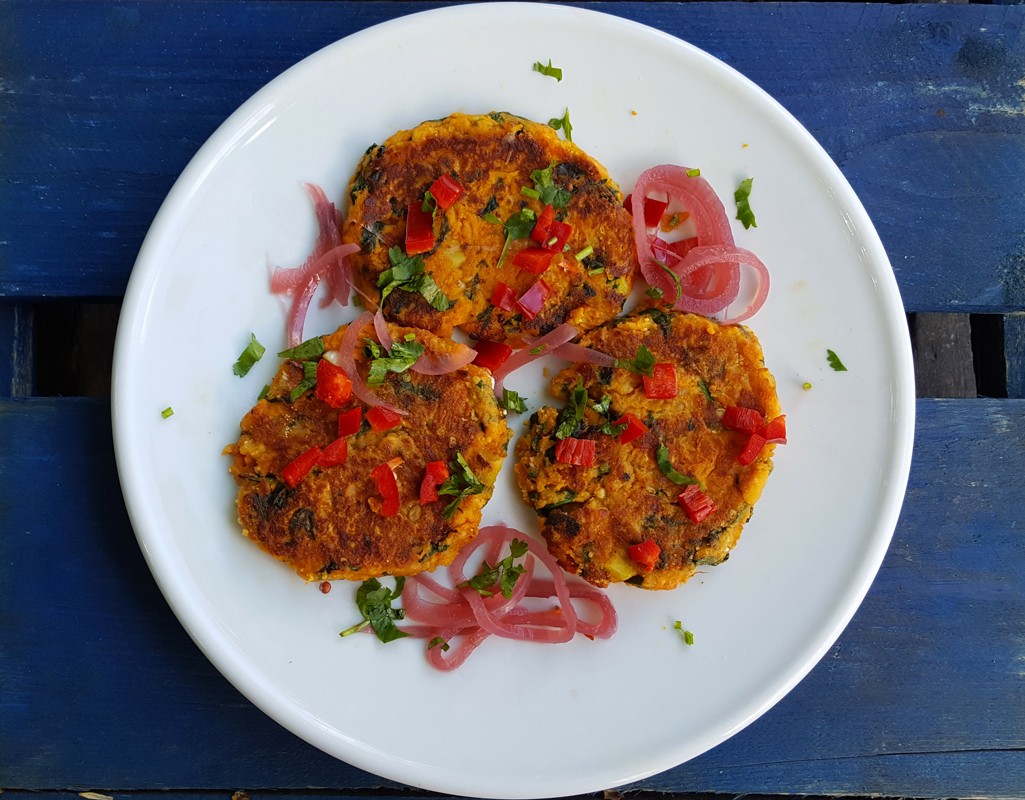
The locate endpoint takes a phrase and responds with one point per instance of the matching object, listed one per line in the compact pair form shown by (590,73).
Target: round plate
(200,287)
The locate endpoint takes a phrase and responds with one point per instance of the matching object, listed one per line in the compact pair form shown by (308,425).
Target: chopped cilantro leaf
(254,352)
(511,401)
(664,464)
(549,71)
(743,198)
(548,192)
(374,603)
(505,573)
(437,641)
(642,363)
(654,293)
(308,382)
(401,357)
(407,273)
(460,483)
(311,348)
(571,417)
(688,637)
(835,362)
(518,226)
(563,124)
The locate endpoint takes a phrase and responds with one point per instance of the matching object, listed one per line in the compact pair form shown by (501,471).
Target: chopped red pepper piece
(491,355)
(775,431)
(653,209)
(349,422)
(333,384)
(419,230)
(558,235)
(533,259)
(696,503)
(634,428)
(435,475)
(334,454)
(754,445)
(646,553)
(578,452)
(445,191)
(388,488)
(504,297)
(661,385)
(383,419)
(544,222)
(532,301)
(739,418)
(300,466)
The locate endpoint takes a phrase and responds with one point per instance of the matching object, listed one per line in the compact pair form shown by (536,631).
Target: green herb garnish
(549,71)
(437,641)
(374,602)
(460,483)
(688,637)
(694,173)
(511,401)
(571,417)
(254,352)
(311,348)
(654,293)
(548,192)
(743,196)
(263,392)
(167,412)
(402,356)
(603,408)
(563,124)
(518,226)
(835,362)
(308,382)
(676,279)
(664,464)
(642,363)
(407,273)
(505,573)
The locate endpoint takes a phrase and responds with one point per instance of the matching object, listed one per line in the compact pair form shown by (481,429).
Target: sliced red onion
(700,303)
(534,350)
(381,328)
(432,364)
(345,358)
(579,354)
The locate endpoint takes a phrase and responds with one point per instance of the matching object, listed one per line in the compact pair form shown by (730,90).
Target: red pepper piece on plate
(333,384)
(445,191)
(334,454)
(387,488)
(634,428)
(544,222)
(661,384)
(558,235)
(504,297)
(491,355)
(532,301)
(383,419)
(349,422)
(775,431)
(577,452)
(298,468)
(696,503)
(419,230)
(533,259)
(739,418)
(436,473)
(753,446)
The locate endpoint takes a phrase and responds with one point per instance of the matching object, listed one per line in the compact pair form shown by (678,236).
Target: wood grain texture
(922,695)
(921,106)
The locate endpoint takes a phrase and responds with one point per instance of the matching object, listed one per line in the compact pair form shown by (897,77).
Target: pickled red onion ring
(542,345)
(381,328)
(345,358)
(427,363)
(579,354)
(700,257)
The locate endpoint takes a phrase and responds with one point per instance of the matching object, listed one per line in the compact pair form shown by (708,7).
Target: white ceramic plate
(761,620)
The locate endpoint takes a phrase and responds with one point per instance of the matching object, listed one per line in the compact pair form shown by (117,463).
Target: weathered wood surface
(922,695)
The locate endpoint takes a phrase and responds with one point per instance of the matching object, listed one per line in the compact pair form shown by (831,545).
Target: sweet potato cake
(513,230)
(338,489)
(644,477)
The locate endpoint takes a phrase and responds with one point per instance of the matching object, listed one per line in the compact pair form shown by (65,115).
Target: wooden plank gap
(944,363)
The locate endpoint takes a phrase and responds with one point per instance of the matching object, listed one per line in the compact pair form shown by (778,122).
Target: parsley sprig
(402,355)
(666,466)
(518,226)
(460,483)
(562,123)
(547,190)
(642,363)
(407,273)
(549,70)
(254,352)
(743,198)
(504,574)
(374,603)
(835,362)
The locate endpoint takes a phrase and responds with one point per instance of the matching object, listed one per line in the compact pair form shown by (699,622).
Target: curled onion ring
(344,357)
(542,345)
(699,259)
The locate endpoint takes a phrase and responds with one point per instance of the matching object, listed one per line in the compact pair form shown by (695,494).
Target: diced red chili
(533,259)
(646,553)
(696,503)
(753,446)
(300,466)
(577,452)
(349,422)
(419,230)
(661,385)
(334,454)
(491,355)
(504,297)
(435,475)
(739,418)
(775,431)
(445,191)
(653,209)
(558,235)
(388,488)
(333,384)
(383,419)
(532,301)
(544,222)
(634,428)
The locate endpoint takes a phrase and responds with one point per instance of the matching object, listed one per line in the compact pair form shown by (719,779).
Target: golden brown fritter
(590,516)
(492,157)
(330,526)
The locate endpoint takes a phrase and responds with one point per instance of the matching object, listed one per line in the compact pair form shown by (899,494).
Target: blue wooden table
(102,105)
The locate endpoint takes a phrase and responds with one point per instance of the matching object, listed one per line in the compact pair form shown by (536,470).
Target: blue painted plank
(921,696)
(919,104)
(16,351)
(1014,354)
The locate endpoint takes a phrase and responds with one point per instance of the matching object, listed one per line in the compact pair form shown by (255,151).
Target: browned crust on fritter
(328,526)
(591,515)
(492,156)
